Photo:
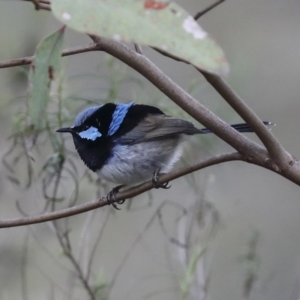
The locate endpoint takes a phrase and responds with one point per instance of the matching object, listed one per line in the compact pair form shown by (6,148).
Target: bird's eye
(86,127)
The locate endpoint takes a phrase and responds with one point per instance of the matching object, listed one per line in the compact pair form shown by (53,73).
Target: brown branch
(150,71)
(132,192)
(282,159)
(275,149)
(253,152)
(193,107)
(27,60)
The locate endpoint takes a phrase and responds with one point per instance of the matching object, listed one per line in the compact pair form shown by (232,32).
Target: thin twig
(68,212)
(27,60)
(66,246)
(206,10)
(80,274)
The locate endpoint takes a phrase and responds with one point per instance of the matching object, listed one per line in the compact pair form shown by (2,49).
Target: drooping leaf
(44,68)
(157,23)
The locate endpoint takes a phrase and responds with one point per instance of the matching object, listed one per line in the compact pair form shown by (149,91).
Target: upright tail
(241,127)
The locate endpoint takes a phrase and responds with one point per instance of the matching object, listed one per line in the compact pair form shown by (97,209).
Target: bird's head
(97,122)
(94,130)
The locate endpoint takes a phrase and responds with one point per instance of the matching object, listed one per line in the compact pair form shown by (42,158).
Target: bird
(128,143)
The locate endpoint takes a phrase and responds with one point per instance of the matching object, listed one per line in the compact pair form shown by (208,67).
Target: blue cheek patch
(118,117)
(90,134)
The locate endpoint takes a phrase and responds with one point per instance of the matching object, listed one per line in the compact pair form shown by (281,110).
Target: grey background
(262,43)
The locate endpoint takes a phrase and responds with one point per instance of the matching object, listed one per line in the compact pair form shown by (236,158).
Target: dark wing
(156,127)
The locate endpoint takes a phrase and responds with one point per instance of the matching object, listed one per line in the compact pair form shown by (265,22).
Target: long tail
(241,127)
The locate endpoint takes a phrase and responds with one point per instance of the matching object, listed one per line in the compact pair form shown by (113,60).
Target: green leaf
(160,24)
(44,68)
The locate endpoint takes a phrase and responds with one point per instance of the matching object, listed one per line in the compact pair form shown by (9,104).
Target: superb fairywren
(127,143)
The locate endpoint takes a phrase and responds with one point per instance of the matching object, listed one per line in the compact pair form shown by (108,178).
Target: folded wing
(158,127)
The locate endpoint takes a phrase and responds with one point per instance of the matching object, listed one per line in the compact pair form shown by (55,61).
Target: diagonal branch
(285,164)
(275,149)
(132,192)
(277,153)
(193,107)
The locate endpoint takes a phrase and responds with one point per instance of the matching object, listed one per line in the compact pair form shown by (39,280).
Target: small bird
(131,143)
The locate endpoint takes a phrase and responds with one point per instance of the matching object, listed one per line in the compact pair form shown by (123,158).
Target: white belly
(133,164)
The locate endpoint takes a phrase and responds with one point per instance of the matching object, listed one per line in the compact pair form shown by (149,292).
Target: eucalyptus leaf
(160,24)
(44,68)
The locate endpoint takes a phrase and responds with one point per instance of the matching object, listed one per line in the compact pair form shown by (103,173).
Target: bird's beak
(66,129)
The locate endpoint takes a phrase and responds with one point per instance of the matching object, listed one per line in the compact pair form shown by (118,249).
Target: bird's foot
(111,197)
(155,182)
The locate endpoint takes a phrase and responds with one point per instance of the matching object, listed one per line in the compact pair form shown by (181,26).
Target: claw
(111,197)
(155,182)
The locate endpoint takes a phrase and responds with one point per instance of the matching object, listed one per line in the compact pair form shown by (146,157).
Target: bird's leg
(155,182)
(111,197)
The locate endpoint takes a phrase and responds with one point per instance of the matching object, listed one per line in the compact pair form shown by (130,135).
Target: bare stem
(206,10)
(27,60)
(68,212)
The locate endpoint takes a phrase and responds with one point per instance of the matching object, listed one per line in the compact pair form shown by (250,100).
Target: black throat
(93,153)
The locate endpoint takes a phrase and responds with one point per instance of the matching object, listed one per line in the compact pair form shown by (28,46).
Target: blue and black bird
(131,143)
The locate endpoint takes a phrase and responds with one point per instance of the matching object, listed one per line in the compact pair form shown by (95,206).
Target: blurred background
(227,232)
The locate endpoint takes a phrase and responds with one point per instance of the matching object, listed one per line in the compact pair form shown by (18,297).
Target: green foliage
(45,67)
(160,24)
